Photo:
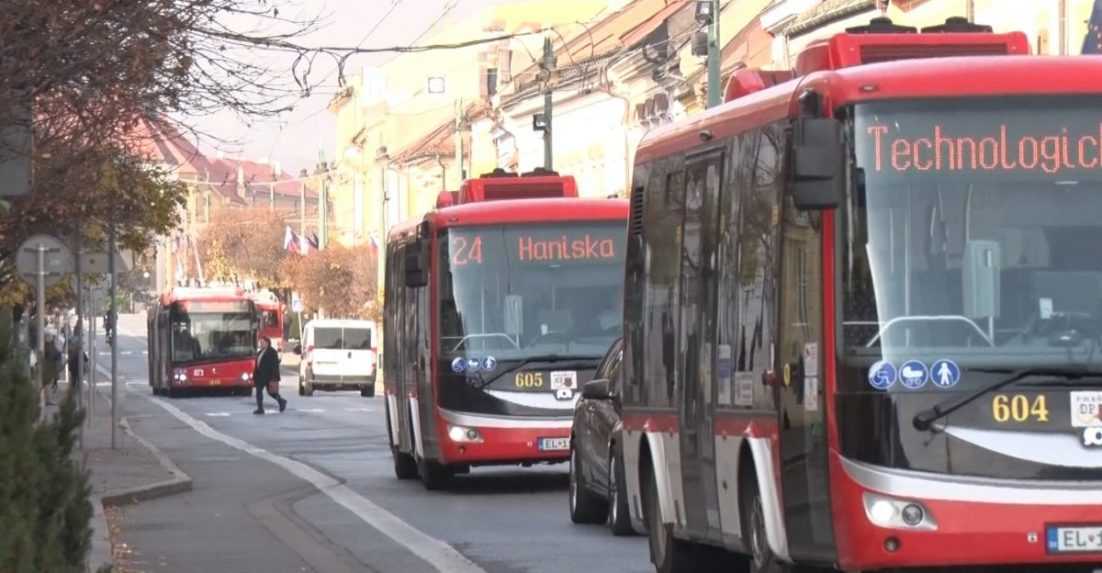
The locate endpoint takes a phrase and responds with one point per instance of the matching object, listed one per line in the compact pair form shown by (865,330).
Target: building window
(489,83)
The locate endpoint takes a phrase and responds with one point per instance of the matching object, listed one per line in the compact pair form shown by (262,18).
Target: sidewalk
(133,472)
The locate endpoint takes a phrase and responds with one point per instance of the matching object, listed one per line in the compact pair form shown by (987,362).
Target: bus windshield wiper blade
(532,359)
(925,419)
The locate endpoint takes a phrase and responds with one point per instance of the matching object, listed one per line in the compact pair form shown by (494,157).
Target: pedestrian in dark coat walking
(266,372)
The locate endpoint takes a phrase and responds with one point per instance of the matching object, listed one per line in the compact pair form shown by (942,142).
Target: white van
(337,355)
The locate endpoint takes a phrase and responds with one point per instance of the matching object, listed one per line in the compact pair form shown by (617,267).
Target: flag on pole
(290,241)
(1092,43)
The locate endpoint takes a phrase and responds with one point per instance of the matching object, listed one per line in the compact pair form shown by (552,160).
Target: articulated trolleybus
(499,305)
(202,338)
(863,312)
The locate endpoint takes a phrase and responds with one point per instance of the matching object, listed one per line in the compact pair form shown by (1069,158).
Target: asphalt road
(313,489)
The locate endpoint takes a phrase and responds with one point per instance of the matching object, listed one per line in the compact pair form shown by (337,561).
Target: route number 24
(465,251)
(1019,408)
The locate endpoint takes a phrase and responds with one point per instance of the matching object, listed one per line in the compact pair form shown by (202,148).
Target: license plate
(554,444)
(1075,539)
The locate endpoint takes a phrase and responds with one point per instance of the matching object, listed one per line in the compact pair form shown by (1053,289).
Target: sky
(296,138)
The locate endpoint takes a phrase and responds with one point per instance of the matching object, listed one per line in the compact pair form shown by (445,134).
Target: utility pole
(114,325)
(458,143)
(77,337)
(714,55)
(548,66)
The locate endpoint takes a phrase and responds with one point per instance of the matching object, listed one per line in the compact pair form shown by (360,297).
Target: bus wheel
(762,559)
(367,392)
(669,554)
(307,389)
(619,517)
(301,391)
(433,475)
(584,506)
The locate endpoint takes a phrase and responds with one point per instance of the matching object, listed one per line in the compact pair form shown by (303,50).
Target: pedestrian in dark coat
(266,372)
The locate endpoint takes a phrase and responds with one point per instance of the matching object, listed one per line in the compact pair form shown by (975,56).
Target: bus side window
(655,318)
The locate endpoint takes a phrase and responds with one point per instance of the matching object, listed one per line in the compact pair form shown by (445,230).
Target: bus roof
(950,77)
(530,211)
(179,294)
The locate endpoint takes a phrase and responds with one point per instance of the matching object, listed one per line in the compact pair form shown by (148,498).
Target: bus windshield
(516,291)
(973,233)
(202,336)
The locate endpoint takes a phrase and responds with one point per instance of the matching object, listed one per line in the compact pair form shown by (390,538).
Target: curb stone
(180,481)
(101,554)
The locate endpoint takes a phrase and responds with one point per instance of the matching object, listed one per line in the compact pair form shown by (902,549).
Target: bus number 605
(529,380)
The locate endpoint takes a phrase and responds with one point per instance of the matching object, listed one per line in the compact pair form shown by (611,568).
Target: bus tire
(669,554)
(762,559)
(367,392)
(301,391)
(619,515)
(585,507)
(434,475)
(307,389)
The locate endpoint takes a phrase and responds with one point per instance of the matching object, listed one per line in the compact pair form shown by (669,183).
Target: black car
(597,488)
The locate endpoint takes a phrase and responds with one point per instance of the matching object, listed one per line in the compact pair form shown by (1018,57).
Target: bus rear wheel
(669,554)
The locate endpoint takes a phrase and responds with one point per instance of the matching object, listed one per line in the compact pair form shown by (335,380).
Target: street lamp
(705,11)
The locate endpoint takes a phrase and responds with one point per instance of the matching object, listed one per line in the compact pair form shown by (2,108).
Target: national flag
(1092,43)
(314,241)
(290,240)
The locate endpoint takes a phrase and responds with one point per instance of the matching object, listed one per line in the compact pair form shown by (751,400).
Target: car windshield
(212,336)
(974,232)
(518,291)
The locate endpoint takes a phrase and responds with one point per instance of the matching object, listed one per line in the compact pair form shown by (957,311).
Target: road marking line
(437,553)
(311,410)
(357,409)
(218,414)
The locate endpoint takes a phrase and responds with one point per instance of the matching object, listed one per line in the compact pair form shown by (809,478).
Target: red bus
(862,318)
(271,313)
(499,305)
(202,338)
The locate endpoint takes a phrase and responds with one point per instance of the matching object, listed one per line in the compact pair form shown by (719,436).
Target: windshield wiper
(553,358)
(925,419)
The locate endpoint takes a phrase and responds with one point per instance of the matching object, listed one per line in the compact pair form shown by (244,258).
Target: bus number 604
(529,380)
(1019,408)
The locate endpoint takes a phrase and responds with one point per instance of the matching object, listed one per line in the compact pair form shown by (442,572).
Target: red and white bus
(499,305)
(862,316)
(271,313)
(202,338)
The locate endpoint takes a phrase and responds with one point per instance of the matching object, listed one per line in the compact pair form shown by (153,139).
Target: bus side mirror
(816,157)
(417,274)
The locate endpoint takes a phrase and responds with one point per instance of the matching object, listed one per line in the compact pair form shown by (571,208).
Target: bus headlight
(897,513)
(245,376)
(180,376)
(461,434)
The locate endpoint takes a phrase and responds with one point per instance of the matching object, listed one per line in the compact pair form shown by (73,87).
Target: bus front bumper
(482,440)
(960,521)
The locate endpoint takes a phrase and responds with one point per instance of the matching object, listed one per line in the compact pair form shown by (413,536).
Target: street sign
(96,263)
(296,302)
(58,260)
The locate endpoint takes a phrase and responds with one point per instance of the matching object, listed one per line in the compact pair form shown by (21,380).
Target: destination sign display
(572,244)
(980,139)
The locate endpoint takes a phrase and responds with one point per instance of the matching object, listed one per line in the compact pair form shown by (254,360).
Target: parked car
(337,355)
(597,488)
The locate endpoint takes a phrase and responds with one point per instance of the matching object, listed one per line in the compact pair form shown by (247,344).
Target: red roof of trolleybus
(955,77)
(532,211)
(202,294)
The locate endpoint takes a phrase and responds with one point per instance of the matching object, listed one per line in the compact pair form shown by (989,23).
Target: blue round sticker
(473,364)
(913,374)
(945,373)
(882,375)
(489,363)
(459,365)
